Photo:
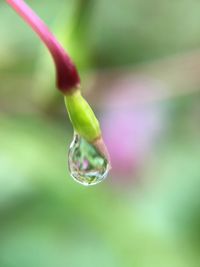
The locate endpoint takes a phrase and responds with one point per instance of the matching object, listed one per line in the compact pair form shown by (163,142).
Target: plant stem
(68,80)
(67,75)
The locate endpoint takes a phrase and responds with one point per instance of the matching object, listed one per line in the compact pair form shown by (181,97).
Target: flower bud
(82,117)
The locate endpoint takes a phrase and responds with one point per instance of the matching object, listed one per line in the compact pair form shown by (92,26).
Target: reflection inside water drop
(86,165)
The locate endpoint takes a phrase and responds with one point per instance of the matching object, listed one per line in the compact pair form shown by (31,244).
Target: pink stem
(67,75)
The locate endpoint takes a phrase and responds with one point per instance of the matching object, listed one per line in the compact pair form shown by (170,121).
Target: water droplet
(86,165)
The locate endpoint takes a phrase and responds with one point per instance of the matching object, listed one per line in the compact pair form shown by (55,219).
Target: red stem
(67,75)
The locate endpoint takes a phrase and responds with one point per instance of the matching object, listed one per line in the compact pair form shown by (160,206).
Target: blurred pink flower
(131,128)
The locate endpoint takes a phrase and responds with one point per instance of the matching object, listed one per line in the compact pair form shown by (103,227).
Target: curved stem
(67,75)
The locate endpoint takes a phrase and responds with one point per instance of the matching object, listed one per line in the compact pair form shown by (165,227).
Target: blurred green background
(139,64)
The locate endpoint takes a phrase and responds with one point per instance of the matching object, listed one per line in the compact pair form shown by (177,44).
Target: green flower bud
(82,117)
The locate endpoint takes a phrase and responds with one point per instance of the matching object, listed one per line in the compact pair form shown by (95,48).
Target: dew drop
(86,164)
